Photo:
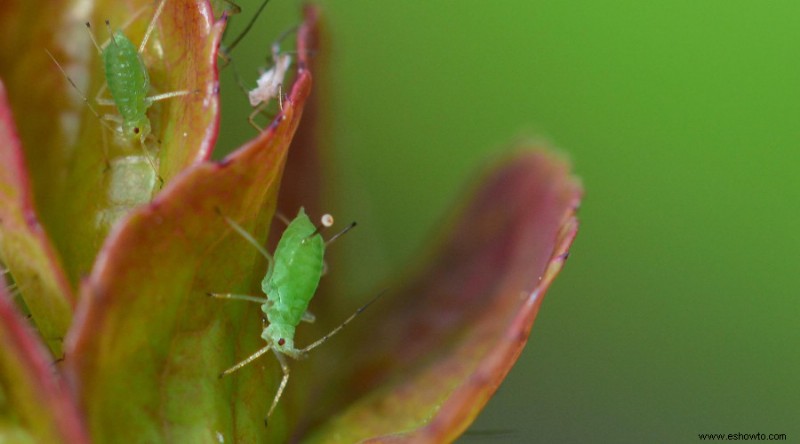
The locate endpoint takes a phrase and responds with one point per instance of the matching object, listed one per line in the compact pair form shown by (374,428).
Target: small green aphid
(128,82)
(293,273)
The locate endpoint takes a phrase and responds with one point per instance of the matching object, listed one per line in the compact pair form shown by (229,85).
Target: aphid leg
(251,118)
(236,76)
(282,217)
(242,232)
(225,51)
(323,339)
(308,317)
(101,100)
(152,163)
(249,359)
(240,297)
(170,95)
(152,25)
(284,380)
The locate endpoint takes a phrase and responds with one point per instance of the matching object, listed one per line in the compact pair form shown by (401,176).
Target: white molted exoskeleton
(270,82)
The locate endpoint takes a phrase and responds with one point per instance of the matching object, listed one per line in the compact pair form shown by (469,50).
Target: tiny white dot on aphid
(327,220)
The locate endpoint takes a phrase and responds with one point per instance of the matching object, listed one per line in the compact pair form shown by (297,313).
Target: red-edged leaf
(37,407)
(24,246)
(148,343)
(448,337)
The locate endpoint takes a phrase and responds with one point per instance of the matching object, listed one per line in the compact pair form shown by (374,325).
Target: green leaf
(25,248)
(35,404)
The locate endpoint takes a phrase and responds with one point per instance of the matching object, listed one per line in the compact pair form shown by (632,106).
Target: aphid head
(136,130)
(281,336)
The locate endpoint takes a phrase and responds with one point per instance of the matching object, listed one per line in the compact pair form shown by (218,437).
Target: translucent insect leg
(152,25)
(249,359)
(252,116)
(170,95)
(242,232)
(282,217)
(284,380)
(341,326)
(103,101)
(240,297)
(152,163)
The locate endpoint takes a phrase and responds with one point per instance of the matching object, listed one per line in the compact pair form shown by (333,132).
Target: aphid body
(291,282)
(271,81)
(129,83)
(292,278)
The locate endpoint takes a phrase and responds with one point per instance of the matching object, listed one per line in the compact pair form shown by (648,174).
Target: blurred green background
(677,312)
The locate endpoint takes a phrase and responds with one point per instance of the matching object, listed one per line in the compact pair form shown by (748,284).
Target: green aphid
(293,274)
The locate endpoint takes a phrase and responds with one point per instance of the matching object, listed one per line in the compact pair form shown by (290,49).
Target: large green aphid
(128,82)
(293,273)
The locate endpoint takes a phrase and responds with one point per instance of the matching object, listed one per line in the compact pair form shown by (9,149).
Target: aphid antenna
(341,233)
(91,36)
(323,339)
(227,49)
(276,45)
(83,96)
(326,221)
(110,32)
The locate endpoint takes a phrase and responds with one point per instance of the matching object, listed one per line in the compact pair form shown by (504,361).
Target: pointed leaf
(24,246)
(36,405)
(148,344)
(447,338)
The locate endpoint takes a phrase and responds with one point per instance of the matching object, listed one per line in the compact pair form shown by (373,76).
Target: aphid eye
(281,341)
(136,130)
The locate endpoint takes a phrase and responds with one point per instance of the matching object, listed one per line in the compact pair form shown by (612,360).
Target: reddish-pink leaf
(37,407)
(449,336)
(24,246)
